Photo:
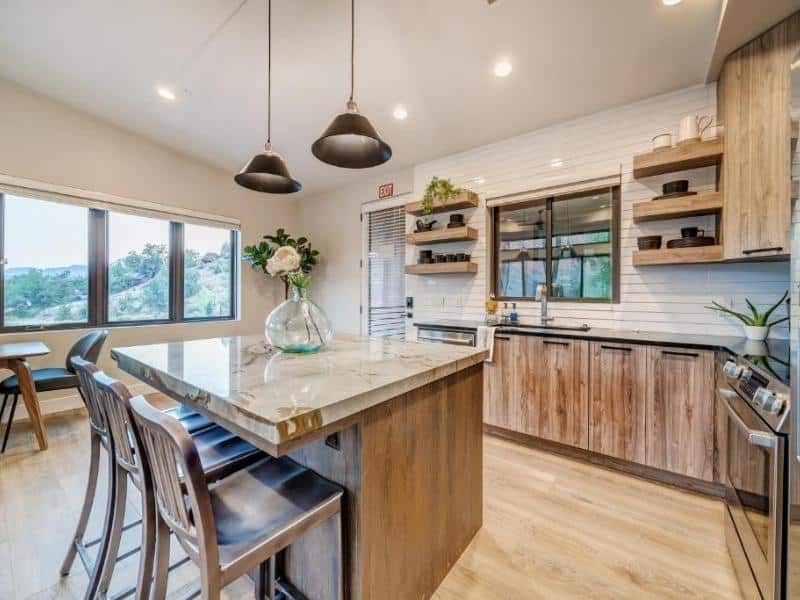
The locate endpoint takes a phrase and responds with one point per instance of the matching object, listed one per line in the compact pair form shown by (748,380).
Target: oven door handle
(756,437)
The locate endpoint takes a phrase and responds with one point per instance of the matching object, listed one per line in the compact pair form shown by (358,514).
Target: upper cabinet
(754,107)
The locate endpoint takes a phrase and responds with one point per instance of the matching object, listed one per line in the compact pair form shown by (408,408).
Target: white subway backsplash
(663,298)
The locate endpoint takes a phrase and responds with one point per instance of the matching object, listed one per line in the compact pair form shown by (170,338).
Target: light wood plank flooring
(553,528)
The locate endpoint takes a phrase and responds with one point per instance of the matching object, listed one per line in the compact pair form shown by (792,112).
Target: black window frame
(547,206)
(98,279)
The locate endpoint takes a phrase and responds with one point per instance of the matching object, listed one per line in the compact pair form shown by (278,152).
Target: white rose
(285,259)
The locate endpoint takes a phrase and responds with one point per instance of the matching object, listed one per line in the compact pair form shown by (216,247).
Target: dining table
(397,424)
(14,357)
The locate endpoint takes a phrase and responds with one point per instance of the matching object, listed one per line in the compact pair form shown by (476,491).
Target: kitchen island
(397,424)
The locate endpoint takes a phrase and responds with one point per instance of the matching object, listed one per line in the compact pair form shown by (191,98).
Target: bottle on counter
(513,317)
(504,313)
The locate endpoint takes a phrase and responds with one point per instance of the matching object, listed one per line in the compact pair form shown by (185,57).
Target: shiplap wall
(663,298)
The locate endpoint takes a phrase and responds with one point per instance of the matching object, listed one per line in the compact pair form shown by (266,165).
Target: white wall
(46,141)
(332,222)
(664,298)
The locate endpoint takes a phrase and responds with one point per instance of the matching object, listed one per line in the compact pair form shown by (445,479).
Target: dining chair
(49,379)
(220,454)
(239,524)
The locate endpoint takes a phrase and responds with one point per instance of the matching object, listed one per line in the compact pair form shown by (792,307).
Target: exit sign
(386,190)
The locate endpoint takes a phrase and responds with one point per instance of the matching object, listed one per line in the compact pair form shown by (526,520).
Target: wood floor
(553,528)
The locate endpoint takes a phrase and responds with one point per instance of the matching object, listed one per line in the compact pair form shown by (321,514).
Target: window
(45,278)
(207,273)
(69,266)
(386,253)
(570,244)
(138,268)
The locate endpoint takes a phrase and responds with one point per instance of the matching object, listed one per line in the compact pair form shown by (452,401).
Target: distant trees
(138,284)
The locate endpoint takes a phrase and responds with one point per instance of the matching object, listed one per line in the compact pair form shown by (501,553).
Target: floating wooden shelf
(442,268)
(678,256)
(676,208)
(688,156)
(466,199)
(438,236)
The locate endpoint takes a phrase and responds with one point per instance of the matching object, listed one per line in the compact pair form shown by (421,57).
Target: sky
(50,234)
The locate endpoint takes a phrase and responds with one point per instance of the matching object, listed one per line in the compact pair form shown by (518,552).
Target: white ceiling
(570,57)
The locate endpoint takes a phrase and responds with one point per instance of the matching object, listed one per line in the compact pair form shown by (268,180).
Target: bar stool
(98,439)
(49,379)
(223,452)
(239,524)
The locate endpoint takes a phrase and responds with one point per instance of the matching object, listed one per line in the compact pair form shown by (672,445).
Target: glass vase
(298,324)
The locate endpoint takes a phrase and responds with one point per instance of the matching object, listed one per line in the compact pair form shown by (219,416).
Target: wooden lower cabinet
(680,411)
(538,386)
(649,405)
(617,390)
(558,402)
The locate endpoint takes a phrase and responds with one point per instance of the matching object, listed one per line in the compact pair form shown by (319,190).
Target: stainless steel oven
(753,458)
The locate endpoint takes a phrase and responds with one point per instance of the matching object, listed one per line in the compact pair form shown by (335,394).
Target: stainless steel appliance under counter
(754,403)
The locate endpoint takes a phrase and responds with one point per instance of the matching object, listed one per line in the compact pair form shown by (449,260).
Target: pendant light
(266,171)
(350,141)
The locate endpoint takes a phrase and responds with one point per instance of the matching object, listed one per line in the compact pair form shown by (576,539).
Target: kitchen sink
(583,327)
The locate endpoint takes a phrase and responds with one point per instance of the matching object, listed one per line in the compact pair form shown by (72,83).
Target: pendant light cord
(352,47)
(269,72)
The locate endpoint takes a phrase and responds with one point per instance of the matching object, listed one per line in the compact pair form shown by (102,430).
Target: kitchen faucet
(541,296)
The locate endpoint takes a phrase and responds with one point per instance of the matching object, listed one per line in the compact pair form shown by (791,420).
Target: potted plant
(440,190)
(757,324)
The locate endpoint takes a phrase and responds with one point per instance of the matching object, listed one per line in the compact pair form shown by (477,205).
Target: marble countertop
(275,397)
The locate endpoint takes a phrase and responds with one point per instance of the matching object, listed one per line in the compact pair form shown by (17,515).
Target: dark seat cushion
(258,502)
(51,378)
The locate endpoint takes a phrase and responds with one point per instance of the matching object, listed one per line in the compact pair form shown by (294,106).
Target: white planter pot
(759,334)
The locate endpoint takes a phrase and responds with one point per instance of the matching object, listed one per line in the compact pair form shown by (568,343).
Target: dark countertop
(771,356)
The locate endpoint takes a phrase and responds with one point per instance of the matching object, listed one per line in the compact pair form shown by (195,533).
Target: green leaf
(742,317)
(776,305)
(776,321)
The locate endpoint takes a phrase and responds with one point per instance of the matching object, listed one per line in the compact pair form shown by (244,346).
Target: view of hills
(138,288)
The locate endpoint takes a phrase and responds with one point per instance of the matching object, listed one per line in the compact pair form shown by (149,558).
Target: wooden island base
(413,471)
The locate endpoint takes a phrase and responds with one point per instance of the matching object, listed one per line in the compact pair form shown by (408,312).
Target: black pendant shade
(351,142)
(266,172)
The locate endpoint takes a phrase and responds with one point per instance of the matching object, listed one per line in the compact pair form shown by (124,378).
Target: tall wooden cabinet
(617,388)
(753,95)
(680,411)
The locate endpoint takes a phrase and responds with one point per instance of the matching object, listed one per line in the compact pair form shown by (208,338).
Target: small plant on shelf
(440,190)
(757,324)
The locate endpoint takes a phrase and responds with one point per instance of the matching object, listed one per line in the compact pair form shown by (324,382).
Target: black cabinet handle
(554,343)
(502,337)
(674,353)
(753,251)
(621,348)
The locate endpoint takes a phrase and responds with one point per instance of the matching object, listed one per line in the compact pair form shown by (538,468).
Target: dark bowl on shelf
(452,258)
(678,186)
(440,258)
(649,242)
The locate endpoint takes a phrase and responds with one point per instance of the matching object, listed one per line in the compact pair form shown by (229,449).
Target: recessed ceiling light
(671,2)
(502,68)
(400,112)
(166,93)
(556,162)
